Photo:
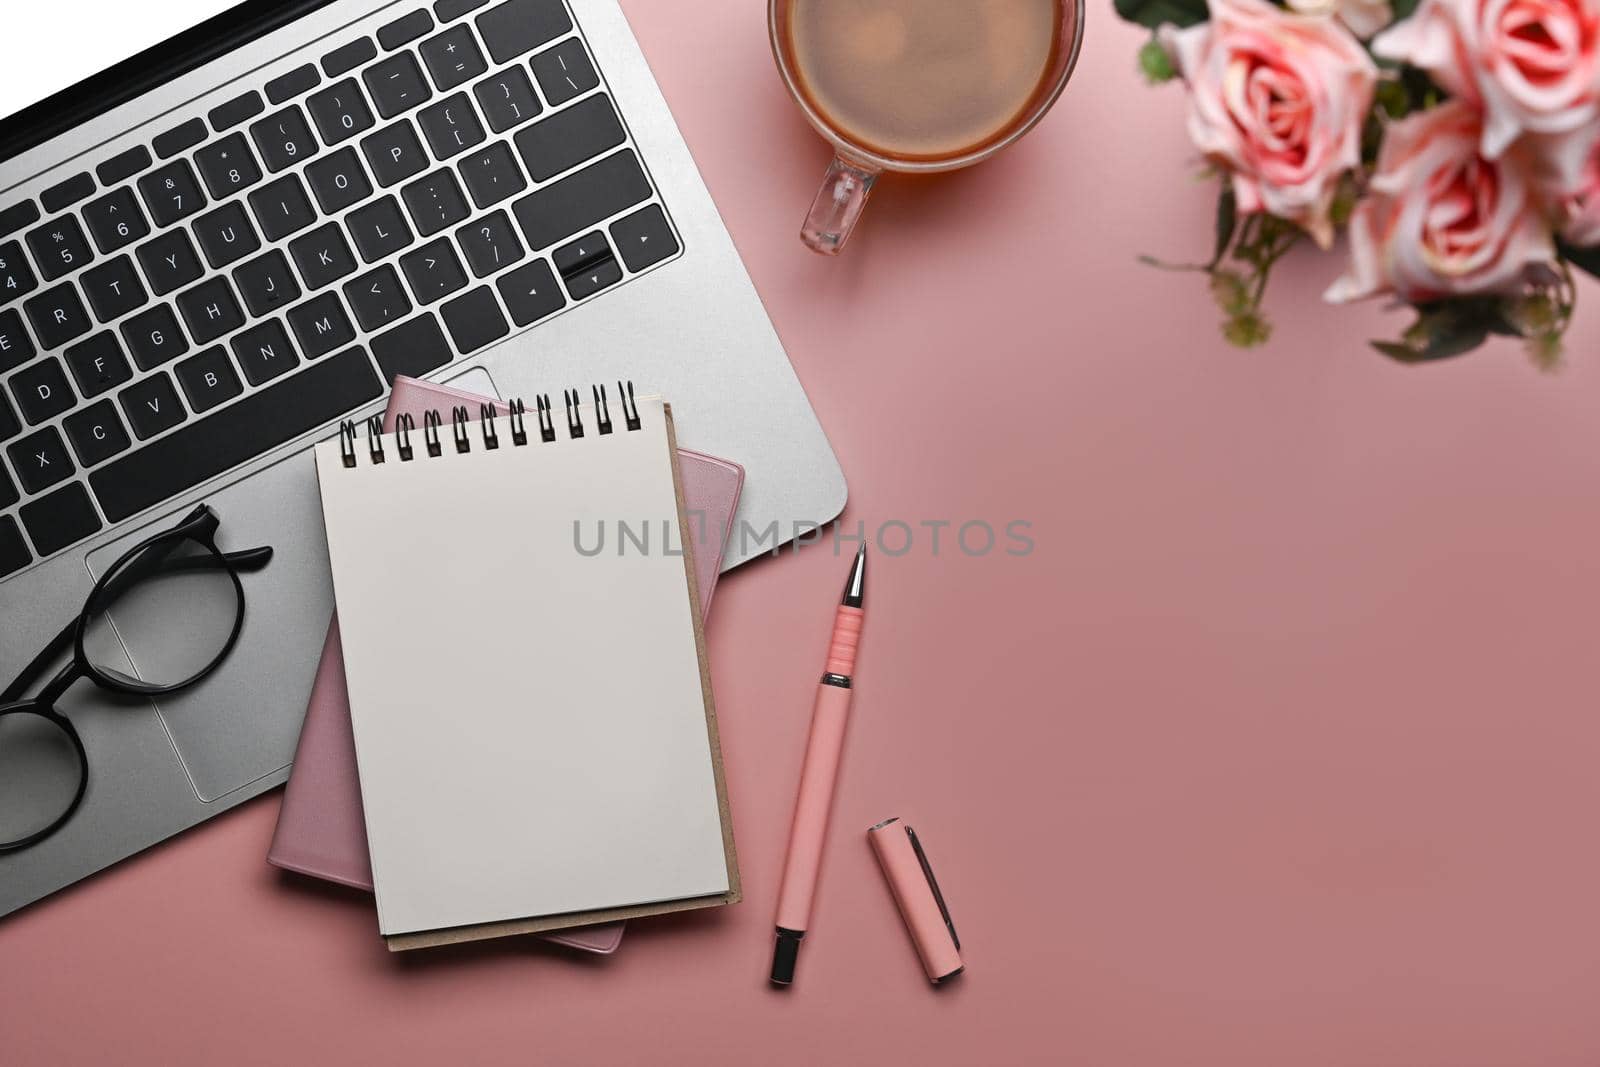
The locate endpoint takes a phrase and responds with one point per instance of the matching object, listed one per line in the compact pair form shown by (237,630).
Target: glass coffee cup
(916,86)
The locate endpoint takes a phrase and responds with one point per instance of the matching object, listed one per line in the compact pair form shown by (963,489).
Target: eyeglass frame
(139,563)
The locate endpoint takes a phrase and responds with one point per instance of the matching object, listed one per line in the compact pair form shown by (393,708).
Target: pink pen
(817,777)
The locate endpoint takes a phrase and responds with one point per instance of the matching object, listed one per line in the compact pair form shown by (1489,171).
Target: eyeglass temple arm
(248,560)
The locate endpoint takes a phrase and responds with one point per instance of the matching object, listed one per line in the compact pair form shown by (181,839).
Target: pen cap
(917,894)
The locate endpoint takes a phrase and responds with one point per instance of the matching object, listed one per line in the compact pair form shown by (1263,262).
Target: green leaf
(1154,13)
(1587,259)
(1445,329)
(1155,64)
(1403,8)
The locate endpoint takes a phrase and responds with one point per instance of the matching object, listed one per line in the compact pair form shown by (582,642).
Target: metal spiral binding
(516,411)
(375,438)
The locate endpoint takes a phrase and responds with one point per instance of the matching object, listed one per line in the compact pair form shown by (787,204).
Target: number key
(340,112)
(59,247)
(228,166)
(284,139)
(115,220)
(16,277)
(171,193)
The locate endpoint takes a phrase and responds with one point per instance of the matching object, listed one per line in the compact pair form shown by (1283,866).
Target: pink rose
(1581,209)
(1361,17)
(1531,65)
(1440,218)
(1279,100)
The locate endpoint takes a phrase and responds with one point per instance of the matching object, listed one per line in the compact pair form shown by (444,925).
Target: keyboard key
(59,247)
(284,139)
(321,325)
(179,138)
(171,193)
(98,364)
(531,293)
(16,277)
(451,126)
(113,289)
(56,521)
(42,391)
(282,208)
(16,347)
(507,99)
(290,85)
(169,262)
(490,244)
(40,460)
(379,229)
(595,276)
(115,220)
(521,26)
(264,352)
(340,111)
(581,200)
(228,115)
(266,283)
(10,426)
(433,271)
(209,379)
(404,30)
(569,137)
(225,235)
(564,72)
(152,406)
(57,316)
(644,238)
(96,433)
(210,310)
(445,10)
(14,554)
(453,57)
(492,175)
(413,348)
(396,84)
(323,256)
(228,166)
(207,447)
(17,216)
(123,165)
(435,202)
(338,181)
(377,298)
(475,320)
(63,195)
(395,154)
(348,57)
(154,337)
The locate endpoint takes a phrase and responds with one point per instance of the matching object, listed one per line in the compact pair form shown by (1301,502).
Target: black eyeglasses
(174,605)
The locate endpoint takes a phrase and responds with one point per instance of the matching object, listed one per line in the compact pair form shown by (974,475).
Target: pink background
(1280,749)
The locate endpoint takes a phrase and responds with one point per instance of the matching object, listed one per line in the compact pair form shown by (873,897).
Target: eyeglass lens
(39,774)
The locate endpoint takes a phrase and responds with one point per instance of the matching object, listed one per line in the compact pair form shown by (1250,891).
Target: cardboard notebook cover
(567,920)
(321,831)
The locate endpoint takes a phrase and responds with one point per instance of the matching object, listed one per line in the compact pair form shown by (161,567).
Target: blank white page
(530,722)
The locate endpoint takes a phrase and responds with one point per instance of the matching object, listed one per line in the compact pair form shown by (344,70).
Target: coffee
(923,79)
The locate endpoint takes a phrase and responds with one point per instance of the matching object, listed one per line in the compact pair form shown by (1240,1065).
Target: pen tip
(855,587)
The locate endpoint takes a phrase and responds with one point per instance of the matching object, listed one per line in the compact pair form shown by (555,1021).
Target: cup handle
(838,205)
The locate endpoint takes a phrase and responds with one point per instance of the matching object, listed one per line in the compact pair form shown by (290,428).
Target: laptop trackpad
(243,721)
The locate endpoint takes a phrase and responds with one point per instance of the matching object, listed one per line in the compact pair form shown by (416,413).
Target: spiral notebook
(558,612)
(320,831)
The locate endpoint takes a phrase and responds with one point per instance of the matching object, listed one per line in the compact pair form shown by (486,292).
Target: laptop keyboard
(402,199)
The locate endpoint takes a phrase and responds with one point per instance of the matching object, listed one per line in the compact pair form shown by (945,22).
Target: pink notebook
(321,828)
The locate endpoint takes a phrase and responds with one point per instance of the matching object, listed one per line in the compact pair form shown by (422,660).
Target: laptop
(215,250)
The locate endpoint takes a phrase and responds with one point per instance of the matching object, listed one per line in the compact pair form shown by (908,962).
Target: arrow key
(531,293)
(644,238)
